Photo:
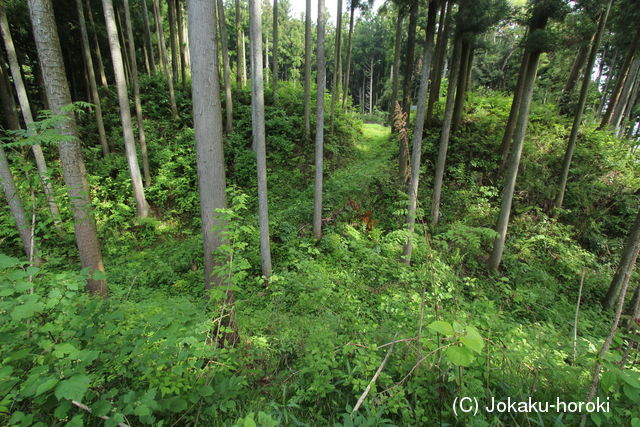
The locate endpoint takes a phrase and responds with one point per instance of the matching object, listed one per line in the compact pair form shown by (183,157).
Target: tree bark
(275,49)
(136,96)
(163,61)
(627,261)
(50,58)
(439,61)
(120,30)
(95,96)
(181,47)
(142,208)
(147,36)
(175,59)
(408,63)
(321,83)
(514,162)
(345,87)
(15,204)
(395,79)
(257,104)
(25,107)
(94,33)
(239,47)
(337,69)
(307,72)
(446,130)
(228,101)
(618,112)
(577,119)
(461,87)
(419,127)
(9,110)
(574,75)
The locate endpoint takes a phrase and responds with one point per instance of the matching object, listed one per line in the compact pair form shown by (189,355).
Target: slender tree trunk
(266,58)
(50,58)
(175,60)
(120,30)
(439,61)
(239,47)
(157,19)
(142,207)
(618,112)
(136,95)
(163,61)
(345,88)
(574,75)
(577,119)
(276,71)
(25,107)
(181,47)
(257,104)
(461,86)
(514,162)
(627,261)
(371,87)
(419,127)
(15,204)
(321,77)
(622,75)
(9,110)
(513,113)
(607,84)
(228,102)
(601,67)
(147,35)
(337,69)
(409,63)
(244,62)
(94,33)
(446,130)
(307,71)
(395,80)
(95,96)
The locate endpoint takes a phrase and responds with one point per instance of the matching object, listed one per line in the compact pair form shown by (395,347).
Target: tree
(182,51)
(444,26)
(163,59)
(175,58)
(321,83)
(337,69)
(419,127)
(257,109)
(275,49)
(50,58)
(577,119)
(627,261)
(147,35)
(25,107)
(307,71)
(407,88)
(228,101)
(136,96)
(240,68)
(103,75)
(15,205)
(142,208)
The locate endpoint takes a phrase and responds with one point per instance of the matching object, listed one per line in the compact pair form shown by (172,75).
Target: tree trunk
(136,95)
(627,261)
(257,107)
(461,86)
(618,111)
(275,49)
(25,107)
(9,110)
(607,83)
(95,96)
(439,60)
(371,87)
(239,47)
(147,35)
(577,119)
(345,87)
(395,79)
(419,127)
(175,59)
(307,71)
(574,75)
(94,33)
(181,47)
(513,113)
(142,208)
(15,204)
(337,69)
(120,30)
(163,61)
(266,58)
(228,102)
(50,58)
(408,63)
(622,75)
(244,63)
(321,83)
(514,162)
(446,130)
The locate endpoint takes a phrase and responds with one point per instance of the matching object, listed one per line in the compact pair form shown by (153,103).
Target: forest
(329,212)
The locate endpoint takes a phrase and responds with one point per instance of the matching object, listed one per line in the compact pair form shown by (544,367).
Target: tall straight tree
(228,101)
(136,95)
(407,85)
(25,107)
(98,51)
(175,58)
(577,119)
(9,111)
(275,48)
(147,35)
(142,208)
(321,83)
(239,48)
(207,120)
(57,88)
(345,87)
(419,127)
(15,204)
(395,80)
(257,115)
(627,261)
(182,51)
(163,58)
(95,96)
(337,69)
(307,71)
(446,130)
(439,58)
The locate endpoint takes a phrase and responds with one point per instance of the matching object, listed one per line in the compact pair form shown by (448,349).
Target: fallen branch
(373,380)
(86,408)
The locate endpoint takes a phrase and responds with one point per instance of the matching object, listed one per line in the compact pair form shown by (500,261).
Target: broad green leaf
(7,261)
(175,404)
(142,411)
(46,385)
(459,356)
(62,409)
(75,421)
(26,310)
(473,341)
(73,388)
(442,327)
(206,390)
(458,327)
